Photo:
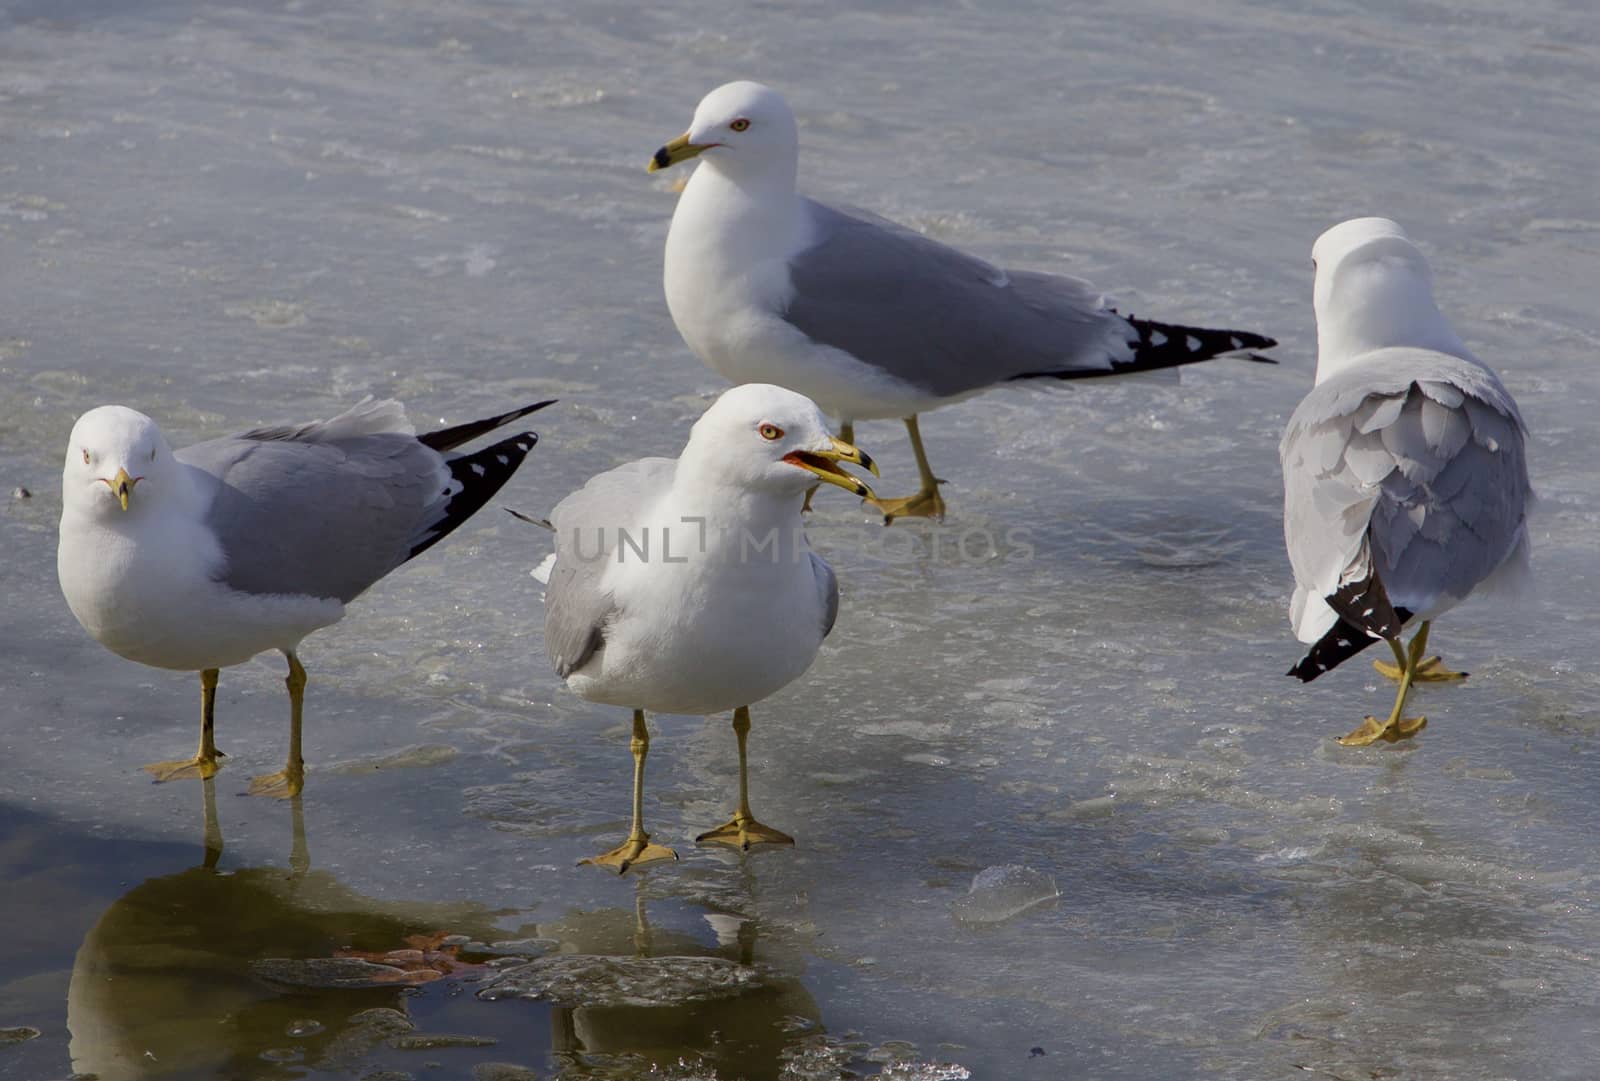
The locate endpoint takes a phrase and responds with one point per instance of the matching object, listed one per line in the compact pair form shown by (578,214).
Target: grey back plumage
(938,318)
(326,509)
(312,513)
(586,525)
(1418,454)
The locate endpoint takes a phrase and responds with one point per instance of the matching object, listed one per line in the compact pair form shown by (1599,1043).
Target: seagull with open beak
(686,585)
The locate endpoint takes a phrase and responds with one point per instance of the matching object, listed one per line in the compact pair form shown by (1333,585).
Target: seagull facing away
(686,585)
(867,318)
(202,558)
(1404,477)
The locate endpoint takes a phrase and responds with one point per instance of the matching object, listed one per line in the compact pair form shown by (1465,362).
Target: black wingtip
(450,438)
(1169,345)
(1341,643)
(476,477)
(542,523)
(1365,605)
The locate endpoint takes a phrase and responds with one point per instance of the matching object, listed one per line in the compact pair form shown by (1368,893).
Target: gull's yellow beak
(121,486)
(822,463)
(680,149)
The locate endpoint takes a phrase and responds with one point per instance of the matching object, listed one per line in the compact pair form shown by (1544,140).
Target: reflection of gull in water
(621,986)
(162,985)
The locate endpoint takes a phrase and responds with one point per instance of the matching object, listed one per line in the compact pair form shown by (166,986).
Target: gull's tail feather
(451,438)
(474,478)
(1365,616)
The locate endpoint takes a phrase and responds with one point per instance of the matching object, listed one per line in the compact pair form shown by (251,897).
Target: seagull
(1404,474)
(201,558)
(686,585)
(870,319)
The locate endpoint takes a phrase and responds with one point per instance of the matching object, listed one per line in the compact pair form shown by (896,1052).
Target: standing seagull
(205,557)
(1405,482)
(686,585)
(868,318)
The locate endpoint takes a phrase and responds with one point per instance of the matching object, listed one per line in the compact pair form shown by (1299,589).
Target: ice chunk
(336,972)
(924,1071)
(1001,892)
(417,756)
(585,980)
(503,1071)
(436,1041)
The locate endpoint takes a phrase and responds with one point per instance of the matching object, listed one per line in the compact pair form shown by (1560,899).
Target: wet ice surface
(235,214)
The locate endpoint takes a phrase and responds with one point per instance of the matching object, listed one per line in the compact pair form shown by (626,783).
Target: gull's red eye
(769,432)
(740,124)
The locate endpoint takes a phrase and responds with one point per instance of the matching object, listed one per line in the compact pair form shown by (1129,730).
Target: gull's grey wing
(326,509)
(949,323)
(936,317)
(320,519)
(1409,465)
(576,607)
(828,586)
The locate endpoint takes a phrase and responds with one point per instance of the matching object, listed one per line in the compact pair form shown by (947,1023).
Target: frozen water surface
(234,213)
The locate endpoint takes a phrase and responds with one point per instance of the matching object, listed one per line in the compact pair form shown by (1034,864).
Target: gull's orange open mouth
(824,463)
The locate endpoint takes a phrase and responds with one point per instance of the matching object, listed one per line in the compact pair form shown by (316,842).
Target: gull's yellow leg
(1396,728)
(287,782)
(926,503)
(742,830)
(637,848)
(1429,669)
(1423,670)
(204,762)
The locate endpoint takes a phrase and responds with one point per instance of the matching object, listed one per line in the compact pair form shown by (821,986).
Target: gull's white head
(117,460)
(764,438)
(743,127)
(1373,289)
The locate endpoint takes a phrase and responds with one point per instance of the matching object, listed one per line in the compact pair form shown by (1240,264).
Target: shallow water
(229,214)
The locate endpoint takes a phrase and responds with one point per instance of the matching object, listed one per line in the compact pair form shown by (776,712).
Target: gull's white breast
(143,587)
(727,281)
(727,628)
